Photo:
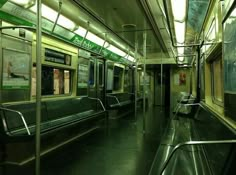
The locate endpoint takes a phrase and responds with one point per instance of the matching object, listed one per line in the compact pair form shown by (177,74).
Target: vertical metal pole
(161,80)
(38,87)
(136,79)
(144,80)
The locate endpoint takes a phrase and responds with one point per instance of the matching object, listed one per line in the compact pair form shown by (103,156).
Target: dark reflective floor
(122,149)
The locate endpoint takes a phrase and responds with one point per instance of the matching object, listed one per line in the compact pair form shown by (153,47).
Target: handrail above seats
(114,97)
(92,98)
(188,104)
(178,146)
(22,118)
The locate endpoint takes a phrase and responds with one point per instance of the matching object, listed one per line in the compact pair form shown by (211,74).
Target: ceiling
(124,23)
(127,19)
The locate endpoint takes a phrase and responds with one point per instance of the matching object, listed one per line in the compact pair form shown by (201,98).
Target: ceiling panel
(127,19)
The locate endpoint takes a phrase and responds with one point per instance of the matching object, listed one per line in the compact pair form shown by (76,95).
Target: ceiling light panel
(130,58)
(181,59)
(51,15)
(81,31)
(21,2)
(116,50)
(47,12)
(180,50)
(90,36)
(65,22)
(180,32)
(179,9)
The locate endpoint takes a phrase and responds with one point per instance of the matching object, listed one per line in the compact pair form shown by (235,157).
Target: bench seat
(118,100)
(54,114)
(196,159)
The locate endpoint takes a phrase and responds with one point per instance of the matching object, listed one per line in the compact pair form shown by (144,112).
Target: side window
(217,81)
(61,81)
(91,73)
(55,81)
(118,77)
(83,75)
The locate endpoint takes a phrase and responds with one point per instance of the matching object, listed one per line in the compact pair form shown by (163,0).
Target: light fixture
(106,45)
(180,59)
(116,50)
(51,15)
(65,22)
(180,50)
(180,31)
(233,13)
(47,12)
(90,36)
(130,58)
(24,3)
(179,9)
(81,31)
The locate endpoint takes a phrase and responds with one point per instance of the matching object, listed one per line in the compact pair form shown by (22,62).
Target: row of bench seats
(196,159)
(120,104)
(117,100)
(62,121)
(54,114)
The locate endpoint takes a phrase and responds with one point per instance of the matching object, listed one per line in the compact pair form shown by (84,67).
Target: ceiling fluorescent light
(106,45)
(116,50)
(65,22)
(51,15)
(47,12)
(90,36)
(130,58)
(81,31)
(180,32)
(21,2)
(180,50)
(180,59)
(179,9)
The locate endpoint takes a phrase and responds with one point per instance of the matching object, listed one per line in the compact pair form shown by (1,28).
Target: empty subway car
(117,87)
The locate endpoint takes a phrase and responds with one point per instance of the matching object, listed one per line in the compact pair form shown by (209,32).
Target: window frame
(33,83)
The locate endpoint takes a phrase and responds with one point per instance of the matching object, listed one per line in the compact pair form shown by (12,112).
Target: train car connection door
(96,78)
(162,86)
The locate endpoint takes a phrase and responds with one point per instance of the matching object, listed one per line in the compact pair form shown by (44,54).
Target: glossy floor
(122,149)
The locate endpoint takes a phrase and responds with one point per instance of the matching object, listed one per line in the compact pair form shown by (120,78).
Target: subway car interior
(111,87)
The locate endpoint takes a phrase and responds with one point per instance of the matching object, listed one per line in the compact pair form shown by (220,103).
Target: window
(83,76)
(217,81)
(211,35)
(117,81)
(91,73)
(55,81)
(61,81)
